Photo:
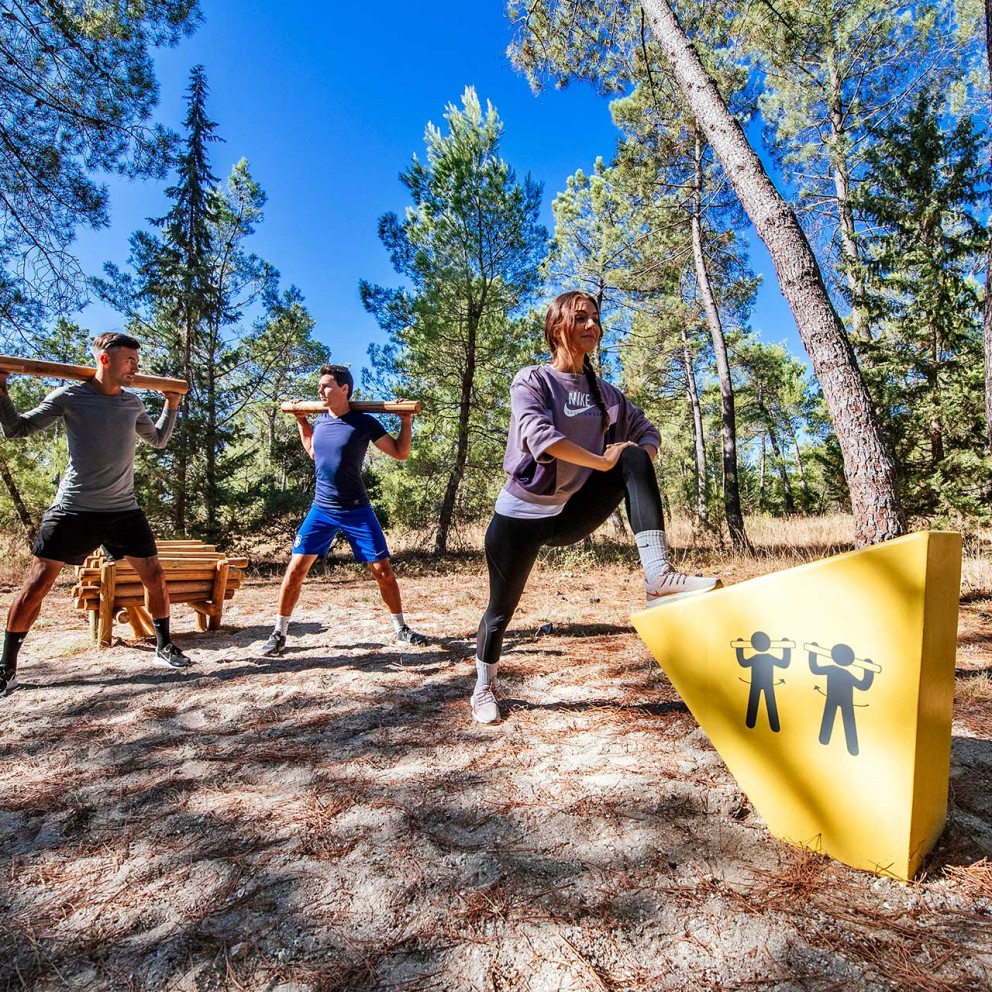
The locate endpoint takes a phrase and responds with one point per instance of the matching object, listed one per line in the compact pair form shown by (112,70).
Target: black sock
(161,632)
(11,645)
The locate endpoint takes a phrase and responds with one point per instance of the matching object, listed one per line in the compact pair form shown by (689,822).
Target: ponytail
(597,394)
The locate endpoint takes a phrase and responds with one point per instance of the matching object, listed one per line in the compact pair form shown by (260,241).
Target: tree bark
(800,467)
(447,511)
(699,444)
(868,464)
(842,187)
(728,418)
(761,473)
(988,268)
(783,471)
(15,497)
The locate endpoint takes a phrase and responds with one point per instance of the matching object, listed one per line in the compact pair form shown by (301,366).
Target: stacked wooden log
(196,574)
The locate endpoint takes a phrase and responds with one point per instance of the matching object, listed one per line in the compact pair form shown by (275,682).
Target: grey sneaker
(274,645)
(170,656)
(408,636)
(674,585)
(8,683)
(484,706)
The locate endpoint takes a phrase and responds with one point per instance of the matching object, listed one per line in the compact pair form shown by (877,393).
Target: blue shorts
(359,526)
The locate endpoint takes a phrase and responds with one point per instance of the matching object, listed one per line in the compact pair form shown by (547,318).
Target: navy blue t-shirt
(339,446)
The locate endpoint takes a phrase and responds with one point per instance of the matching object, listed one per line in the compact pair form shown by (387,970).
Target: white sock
(398,622)
(653,549)
(485,675)
(282,625)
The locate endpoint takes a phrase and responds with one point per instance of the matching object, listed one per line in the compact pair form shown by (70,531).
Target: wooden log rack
(196,574)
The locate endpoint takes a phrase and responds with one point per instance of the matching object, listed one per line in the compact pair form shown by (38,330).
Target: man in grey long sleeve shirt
(95,501)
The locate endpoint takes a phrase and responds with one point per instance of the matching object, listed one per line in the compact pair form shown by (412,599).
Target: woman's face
(584,334)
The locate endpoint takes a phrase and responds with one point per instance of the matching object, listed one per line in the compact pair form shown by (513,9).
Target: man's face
(330,392)
(121,365)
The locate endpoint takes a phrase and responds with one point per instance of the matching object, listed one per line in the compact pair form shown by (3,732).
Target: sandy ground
(334,820)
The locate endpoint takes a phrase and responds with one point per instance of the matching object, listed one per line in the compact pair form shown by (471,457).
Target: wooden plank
(362,406)
(108,582)
(199,595)
(141,621)
(83,373)
(218,594)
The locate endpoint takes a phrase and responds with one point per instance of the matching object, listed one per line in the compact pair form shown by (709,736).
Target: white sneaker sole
(672,597)
(10,687)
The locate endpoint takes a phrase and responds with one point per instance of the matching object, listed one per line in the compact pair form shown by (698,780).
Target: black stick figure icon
(841,683)
(763,664)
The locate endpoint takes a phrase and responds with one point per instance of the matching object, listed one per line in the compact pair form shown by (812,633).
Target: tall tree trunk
(761,474)
(988,267)
(461,450)
(211,487)
(842,187)
(783,472)
(933,387)
(698,442)
(15,497)
(181,479)
(728,420)
(868,463)
(800,467)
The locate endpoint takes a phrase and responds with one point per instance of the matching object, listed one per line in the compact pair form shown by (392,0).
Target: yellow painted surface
(855,656)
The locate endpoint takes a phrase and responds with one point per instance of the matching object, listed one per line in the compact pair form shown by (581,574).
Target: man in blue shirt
(337,442)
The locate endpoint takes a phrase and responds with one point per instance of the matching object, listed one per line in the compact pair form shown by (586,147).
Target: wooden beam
(362,406)
(83,373)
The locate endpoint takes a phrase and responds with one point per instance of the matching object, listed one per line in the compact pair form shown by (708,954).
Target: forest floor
(333,819)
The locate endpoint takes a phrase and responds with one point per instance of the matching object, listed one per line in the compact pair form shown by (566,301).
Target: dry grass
(333,821)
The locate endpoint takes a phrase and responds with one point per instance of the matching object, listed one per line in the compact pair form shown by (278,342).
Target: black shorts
(70,535)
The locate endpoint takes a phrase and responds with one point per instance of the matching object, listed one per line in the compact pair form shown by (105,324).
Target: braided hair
(560,317)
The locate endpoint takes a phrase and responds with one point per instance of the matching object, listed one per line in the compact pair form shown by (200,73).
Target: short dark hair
(111,339)
(342,376)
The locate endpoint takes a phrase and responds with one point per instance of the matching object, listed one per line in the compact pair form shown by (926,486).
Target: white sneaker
(484,706)
(673,585)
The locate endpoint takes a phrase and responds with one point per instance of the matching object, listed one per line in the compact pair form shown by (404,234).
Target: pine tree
(469,247)
(926,189)
(76,94)
(206,303)
(551,30)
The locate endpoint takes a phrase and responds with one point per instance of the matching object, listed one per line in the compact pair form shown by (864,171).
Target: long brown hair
(560,318)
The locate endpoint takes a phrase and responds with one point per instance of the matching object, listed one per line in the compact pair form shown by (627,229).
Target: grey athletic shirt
(101,432)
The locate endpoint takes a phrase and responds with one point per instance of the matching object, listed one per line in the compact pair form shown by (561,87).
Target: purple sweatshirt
(547,406)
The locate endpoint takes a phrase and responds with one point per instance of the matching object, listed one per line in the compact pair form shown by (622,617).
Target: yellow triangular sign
(828,690)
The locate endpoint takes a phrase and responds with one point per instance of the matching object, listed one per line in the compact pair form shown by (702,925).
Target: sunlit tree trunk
(842,186)
(789,501)
(868,463)
(457,473)
(698,443)
(728,423)
(10,484)
(988,267)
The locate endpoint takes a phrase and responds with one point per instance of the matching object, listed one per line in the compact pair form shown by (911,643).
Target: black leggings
(512,543)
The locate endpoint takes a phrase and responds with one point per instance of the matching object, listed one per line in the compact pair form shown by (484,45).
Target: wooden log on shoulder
(82,373)
(363,406)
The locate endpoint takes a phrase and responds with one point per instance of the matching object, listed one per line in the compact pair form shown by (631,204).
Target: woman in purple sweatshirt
(577,447)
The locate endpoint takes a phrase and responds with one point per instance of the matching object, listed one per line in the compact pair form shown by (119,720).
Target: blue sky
(328,103)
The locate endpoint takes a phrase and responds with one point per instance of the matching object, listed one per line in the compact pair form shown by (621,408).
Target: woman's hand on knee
(613,452)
